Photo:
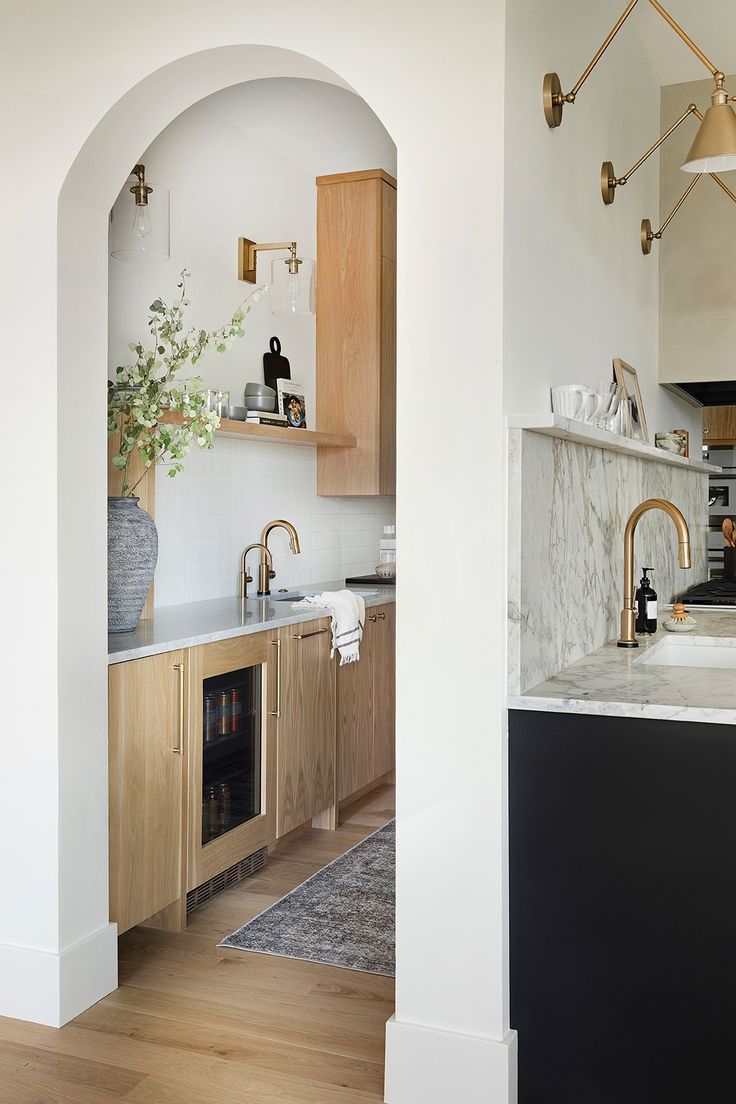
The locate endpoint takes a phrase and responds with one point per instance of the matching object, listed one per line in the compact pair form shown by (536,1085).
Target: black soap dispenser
(646,606)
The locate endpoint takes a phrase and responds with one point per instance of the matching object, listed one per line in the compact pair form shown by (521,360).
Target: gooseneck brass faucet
(628,613)
(245,578)
(265,568)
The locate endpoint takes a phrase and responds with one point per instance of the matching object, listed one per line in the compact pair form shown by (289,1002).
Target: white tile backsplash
(223,498)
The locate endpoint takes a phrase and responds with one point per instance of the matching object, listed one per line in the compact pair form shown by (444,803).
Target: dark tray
(372,580)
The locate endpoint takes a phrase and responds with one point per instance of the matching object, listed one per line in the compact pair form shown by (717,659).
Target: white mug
(575,401)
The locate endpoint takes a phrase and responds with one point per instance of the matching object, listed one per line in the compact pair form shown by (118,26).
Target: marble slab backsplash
(568,506)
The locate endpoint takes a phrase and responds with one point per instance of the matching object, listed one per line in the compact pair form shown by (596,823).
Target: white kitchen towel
(348,619)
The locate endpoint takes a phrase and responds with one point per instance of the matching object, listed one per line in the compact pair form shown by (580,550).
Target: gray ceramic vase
(132,551)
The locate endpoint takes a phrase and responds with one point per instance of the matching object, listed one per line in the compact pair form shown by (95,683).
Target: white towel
(348,619)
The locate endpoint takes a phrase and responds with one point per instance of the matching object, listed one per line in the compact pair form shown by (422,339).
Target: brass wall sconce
(292,291)
(714,148)
(610,182)
(647,235)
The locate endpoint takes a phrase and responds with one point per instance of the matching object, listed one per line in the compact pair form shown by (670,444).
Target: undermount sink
(295,596)
(696,651)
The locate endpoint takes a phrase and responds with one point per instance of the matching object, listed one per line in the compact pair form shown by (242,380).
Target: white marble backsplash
(568,505)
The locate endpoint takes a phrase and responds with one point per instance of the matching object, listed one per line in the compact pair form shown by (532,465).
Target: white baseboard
(425,1066)
(52,989)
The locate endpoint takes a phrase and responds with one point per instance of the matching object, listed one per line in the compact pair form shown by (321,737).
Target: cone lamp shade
(714,148)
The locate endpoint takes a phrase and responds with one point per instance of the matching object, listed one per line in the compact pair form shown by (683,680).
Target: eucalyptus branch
(144,390)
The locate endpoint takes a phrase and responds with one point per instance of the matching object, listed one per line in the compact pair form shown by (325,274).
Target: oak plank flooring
(191,1024)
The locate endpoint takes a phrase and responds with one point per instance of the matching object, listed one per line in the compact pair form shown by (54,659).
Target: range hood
(715,393)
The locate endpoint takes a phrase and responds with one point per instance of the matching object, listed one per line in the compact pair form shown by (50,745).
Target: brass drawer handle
(377,617)
(277,711)
(304,636)
(180,668)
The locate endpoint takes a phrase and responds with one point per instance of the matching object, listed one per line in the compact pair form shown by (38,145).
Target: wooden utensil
(728,533)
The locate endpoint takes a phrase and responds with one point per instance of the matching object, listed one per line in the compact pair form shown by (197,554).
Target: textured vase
(132,551)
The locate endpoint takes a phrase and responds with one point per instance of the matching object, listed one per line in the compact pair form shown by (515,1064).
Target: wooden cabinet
(366,696)
(719,425)
(305,724)
(146,785)
(356,331)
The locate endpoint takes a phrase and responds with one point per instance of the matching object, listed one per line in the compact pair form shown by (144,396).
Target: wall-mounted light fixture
(714,148)
(140,231)
(292,277)
(610,182)
(647,235)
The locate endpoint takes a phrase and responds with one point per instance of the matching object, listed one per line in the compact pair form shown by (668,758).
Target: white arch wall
(435,78)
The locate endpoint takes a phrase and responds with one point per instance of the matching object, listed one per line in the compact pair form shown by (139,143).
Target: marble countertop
(620,682)
(173,627)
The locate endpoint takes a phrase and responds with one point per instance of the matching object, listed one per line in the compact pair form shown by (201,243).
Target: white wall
(697,255)
(243,162)
(87,95)
(577,289)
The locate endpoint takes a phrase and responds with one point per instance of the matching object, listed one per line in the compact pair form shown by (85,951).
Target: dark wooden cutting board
(275,366)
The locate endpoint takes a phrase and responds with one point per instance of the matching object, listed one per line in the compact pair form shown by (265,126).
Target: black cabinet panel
(623,909)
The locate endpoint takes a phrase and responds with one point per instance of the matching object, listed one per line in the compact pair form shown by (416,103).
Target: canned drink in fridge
(210,718)
(223,792)
(236,709)
(224,713)
(213,811)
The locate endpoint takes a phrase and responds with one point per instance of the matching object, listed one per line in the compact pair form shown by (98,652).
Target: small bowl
(264,403)
(259,389)
(386,571)
(236,413)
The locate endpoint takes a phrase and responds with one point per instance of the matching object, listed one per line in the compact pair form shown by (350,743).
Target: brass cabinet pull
(377,617)
(277,645)
(303,636)
(373,617)
(180,668)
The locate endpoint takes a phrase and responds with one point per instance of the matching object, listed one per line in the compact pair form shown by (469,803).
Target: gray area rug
(343,915)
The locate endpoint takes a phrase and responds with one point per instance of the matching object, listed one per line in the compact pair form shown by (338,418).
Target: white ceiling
(319,127)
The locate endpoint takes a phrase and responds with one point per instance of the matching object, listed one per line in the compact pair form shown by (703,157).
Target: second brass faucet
(265,568)
(628,613)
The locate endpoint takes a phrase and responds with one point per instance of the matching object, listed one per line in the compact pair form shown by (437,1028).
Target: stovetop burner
(716,592)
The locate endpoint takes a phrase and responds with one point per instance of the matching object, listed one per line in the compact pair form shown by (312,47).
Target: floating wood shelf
(282,435)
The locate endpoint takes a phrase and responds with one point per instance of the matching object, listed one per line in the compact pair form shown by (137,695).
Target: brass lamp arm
(554,98)
(647,235)
(609,180)
(248,249)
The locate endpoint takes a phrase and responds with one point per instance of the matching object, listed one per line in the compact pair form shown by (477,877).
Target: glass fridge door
(231,751)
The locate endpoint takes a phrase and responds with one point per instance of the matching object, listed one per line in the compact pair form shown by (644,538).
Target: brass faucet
(245,578)
(265,568)
(628,613)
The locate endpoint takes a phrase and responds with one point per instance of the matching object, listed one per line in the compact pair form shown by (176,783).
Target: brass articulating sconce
(248,249)
(714,148)
(648,235)
(610,182)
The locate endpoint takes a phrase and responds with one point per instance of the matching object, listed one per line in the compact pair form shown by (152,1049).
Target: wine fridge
(231,810)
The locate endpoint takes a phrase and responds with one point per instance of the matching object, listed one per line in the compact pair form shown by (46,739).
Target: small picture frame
(291,403)
(628,380)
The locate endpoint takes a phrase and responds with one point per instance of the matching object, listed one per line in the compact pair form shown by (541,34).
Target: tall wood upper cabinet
(356,331)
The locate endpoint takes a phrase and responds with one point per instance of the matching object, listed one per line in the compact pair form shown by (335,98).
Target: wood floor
(194,1025)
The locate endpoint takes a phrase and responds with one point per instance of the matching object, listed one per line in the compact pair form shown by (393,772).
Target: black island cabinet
(622,840)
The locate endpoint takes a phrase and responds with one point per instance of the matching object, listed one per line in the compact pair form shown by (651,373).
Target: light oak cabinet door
(366,705)
(719,425)
(146,777)
(305,727)
(356,331)
(384,691)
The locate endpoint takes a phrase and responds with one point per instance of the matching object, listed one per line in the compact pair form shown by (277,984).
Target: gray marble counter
(625,683)
(173,627)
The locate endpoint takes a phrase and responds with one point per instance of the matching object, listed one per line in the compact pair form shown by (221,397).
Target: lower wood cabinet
(305,724)
(218,750)
(147,743)
(366,706)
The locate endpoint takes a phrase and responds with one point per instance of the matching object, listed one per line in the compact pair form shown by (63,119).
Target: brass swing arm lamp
(714,147)
(648,235)
(247,251)
(610,182)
